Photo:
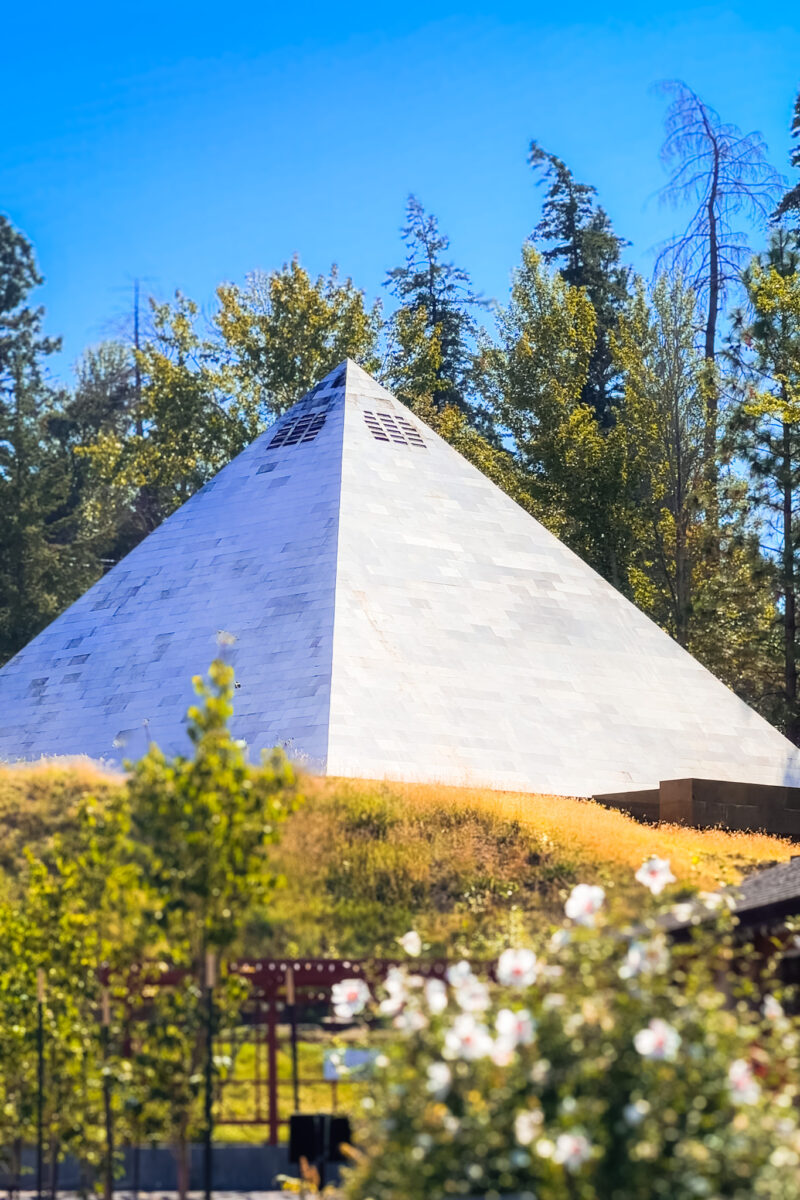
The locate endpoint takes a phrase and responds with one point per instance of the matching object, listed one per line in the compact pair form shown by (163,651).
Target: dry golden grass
(363,860)
(40,799)
(596,835)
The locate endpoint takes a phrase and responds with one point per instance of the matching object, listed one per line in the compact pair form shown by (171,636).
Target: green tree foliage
(42,567)
(200,828)
(166,866)
(429,286)
(205,394)
(101,405)
(789,207)
(535,379)
(579,239)
(766,431)
(284,331)
(664,415)
(414,357)
(411,371)
(188,424)
(720,607)
(56,927)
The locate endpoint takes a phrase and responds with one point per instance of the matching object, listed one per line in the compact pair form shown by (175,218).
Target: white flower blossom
(658,1041)
(743,1084)
(396,987)
(436,996)
(655,874)
(526,1126)
(440,1078)
(349,997)
(411,1020)
(411,943)
(517,968)
(584,902)
(572,1150)
(467,1038)
(772,1009)
(645,957)
(472,995)
(459,973)
(518,1028)
(502,1054)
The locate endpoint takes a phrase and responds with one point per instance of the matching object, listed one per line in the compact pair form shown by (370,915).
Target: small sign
(347,1064)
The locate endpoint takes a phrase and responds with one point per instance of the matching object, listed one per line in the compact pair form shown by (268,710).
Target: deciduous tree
(284,331)
(200,828)
(535,378)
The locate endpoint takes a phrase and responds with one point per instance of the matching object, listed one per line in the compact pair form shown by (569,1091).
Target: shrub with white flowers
(612,1062)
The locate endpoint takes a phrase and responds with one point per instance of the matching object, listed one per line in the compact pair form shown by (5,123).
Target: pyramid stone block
(391,614)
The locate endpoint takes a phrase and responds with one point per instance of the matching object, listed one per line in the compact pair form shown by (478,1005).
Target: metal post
(272,1069)
(40,984)
(105,1029)
(292,1007)
(208,1160)
(136,1164)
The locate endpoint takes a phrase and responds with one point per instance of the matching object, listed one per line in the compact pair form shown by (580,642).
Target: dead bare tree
(725,173)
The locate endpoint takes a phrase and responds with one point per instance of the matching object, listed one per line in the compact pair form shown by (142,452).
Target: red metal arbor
(285,993)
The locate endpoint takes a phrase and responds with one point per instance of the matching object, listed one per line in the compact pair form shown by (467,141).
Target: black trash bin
(318,1137)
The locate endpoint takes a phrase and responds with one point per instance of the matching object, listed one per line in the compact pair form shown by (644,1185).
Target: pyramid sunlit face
(390,613)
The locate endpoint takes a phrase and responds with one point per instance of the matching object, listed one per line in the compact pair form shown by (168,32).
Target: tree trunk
(711,470)
(15,1169)
(55,1147)
(682,584)
(182,1164)
(789,596)
(613,565)
(683,577)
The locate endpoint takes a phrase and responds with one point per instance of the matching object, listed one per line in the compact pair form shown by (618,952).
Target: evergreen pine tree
(766,429)
(576,235)
(443,292)
(38,574)
(789,206)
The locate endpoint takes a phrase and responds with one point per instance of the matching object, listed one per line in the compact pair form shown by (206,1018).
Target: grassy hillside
(40,800)
(365,861)
(362,862)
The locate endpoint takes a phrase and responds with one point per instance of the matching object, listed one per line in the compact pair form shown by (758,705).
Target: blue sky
(188,144)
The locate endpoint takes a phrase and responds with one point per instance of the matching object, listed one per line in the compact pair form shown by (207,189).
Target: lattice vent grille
(301,429)
(386,427)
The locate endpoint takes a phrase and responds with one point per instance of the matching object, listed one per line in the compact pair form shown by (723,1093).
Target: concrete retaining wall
(707,803)
(237,1168)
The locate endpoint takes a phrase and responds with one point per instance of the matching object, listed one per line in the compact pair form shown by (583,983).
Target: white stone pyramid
(395,615)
